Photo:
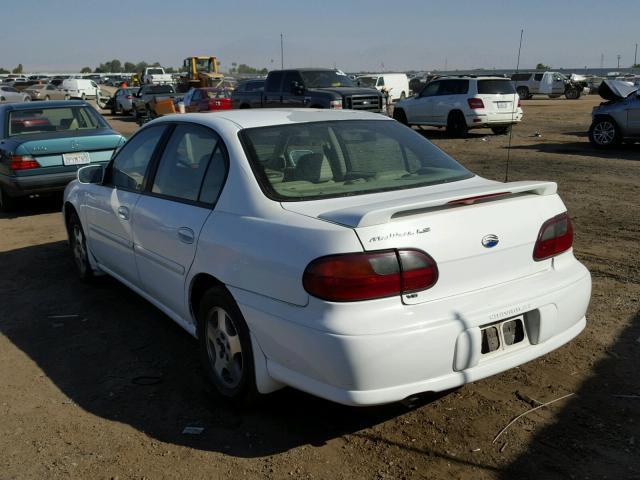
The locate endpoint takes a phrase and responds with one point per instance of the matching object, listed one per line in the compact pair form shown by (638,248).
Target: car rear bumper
(440,353)
(481,120)
(21,186)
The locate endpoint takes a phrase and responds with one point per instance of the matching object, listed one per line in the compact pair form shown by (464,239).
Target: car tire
(501,130)
(7,203)
(457,125)
(78,244)
(403,96)
(83,97)
(400,116)
(523,93)
(67,97)
(225,347)
(604,133)
(572,93)
(47,98)
(26,99)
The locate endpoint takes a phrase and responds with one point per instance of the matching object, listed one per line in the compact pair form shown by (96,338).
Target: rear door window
(184,162)
(453,87)
(273,82)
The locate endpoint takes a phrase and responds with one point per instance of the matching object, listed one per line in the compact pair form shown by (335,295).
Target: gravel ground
(97,383)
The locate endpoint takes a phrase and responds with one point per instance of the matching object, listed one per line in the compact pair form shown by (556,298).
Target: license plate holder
(76,158)
(502,105)
(502,335)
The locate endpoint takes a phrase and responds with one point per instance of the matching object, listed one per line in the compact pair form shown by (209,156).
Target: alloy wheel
(79,248)
(604,133)
(224,349)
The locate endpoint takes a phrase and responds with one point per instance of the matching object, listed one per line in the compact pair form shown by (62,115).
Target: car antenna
(506,174)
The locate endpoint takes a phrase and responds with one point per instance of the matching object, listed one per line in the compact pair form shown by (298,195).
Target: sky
(374,35)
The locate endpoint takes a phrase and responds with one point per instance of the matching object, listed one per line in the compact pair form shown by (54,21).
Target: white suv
(462,103)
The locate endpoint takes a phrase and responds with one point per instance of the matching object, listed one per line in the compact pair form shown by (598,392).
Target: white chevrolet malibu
(337,252)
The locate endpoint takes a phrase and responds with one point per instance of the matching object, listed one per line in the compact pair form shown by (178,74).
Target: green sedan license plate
(76,158)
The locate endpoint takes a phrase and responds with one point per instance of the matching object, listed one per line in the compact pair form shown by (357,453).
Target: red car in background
(207,99)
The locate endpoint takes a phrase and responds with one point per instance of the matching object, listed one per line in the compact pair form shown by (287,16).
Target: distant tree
(140,66)
(18,69)
(242,68)
(129,67)
(264,71)
(636,65)
(4,71)
(542,66)
(156,64)
(85,70)
(170,70)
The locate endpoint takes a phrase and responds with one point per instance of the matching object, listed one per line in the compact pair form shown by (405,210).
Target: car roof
(252,118)
(15,107)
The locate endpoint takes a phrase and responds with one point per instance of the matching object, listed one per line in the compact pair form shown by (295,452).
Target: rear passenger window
(130,165)
(453,87)
(495,86)
(184,162)
(214,178)
(538,76)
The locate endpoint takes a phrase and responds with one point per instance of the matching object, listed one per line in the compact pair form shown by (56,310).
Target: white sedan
(337,252)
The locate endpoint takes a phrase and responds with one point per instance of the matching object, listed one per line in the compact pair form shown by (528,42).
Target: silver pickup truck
(552,84)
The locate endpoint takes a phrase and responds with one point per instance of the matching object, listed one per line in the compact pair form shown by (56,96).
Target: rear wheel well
(455,112)
(200,284)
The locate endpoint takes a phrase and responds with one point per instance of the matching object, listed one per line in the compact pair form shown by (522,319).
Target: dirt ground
(97,383)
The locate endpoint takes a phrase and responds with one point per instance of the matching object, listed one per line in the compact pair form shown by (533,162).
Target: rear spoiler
(383,212)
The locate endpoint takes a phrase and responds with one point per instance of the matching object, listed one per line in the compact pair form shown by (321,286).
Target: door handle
(186,235)
(123,213)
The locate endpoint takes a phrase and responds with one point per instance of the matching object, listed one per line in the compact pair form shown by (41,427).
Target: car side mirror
(296,88)
(91,174)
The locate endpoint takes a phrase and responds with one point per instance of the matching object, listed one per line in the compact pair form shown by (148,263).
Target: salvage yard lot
(97,383)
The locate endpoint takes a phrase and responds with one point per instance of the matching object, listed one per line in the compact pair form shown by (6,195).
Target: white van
(80,87)
(397,84)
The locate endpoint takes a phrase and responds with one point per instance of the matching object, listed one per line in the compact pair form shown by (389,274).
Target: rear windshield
(155,71)
(495,86)
(63,119)
(342,158)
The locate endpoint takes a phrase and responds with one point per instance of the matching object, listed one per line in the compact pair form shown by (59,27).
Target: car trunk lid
(49,150)
(479,236)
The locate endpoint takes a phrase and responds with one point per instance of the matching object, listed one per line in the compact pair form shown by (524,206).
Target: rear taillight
(475,103)
(23,162)
(368,275)
(519,103)
(555,237)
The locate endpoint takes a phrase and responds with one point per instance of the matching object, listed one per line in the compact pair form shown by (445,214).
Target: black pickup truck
(310,88)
